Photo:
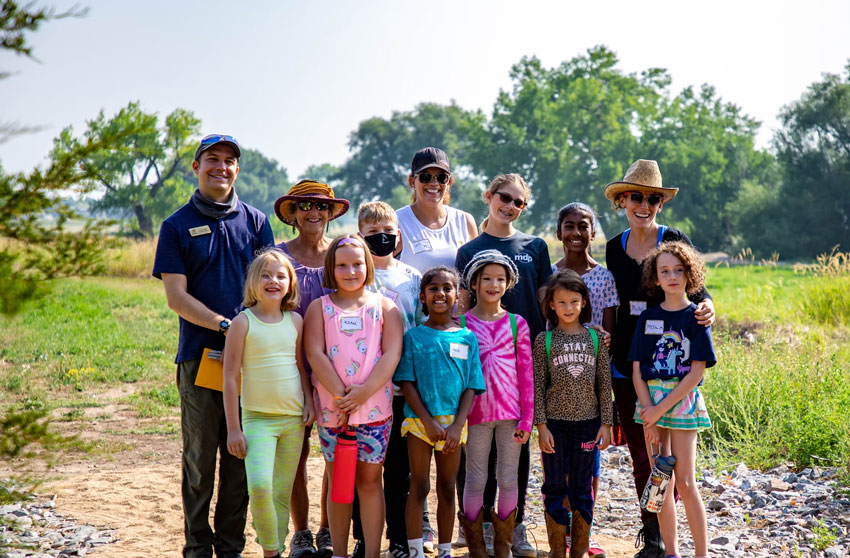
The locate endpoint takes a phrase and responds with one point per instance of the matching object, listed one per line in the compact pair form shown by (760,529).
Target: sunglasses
(427,177)
(651,199)
(308,205)
(215,138)
(518,203)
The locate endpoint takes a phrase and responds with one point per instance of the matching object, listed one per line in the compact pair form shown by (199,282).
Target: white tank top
(424,248)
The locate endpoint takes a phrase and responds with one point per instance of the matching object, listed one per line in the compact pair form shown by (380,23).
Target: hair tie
(347,240)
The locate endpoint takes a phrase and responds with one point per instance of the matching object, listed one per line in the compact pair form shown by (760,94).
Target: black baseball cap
(215,139)
(429,157)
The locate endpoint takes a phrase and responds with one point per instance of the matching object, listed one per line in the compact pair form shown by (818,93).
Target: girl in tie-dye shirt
(504,412)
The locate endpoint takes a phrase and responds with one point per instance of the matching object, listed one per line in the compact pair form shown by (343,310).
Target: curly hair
(567,280)
(685,253)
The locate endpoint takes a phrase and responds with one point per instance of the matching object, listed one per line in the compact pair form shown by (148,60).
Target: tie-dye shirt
(509,376)
(353,343)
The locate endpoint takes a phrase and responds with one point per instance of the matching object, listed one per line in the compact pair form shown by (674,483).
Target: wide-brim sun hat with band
(644,174)
(310,191)
(485,258)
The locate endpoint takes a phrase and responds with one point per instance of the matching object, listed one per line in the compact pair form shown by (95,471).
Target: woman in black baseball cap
(431,230)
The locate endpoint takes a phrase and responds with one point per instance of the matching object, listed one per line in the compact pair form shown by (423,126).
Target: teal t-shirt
(442,364)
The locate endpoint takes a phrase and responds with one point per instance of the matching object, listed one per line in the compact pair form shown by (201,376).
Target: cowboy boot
(504,531)
(653,544)
(474,533)
(579,536)
(557,534)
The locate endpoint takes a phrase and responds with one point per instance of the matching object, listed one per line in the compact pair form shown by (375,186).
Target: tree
(569,130)
(705,147)
(381,151)
(813,150)
(134,178)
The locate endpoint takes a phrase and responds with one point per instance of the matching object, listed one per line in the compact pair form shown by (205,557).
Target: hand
(651,415)
(545,439)
(652,434)
(433,429)
(354,397)
(308,415)
(236,444)
(521,436)
(606,337)
(705,313)
(603,437)
(453,433)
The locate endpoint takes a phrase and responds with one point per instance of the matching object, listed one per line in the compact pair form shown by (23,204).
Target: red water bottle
(345,467)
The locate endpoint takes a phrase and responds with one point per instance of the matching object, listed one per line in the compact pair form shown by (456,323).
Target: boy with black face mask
(399,282)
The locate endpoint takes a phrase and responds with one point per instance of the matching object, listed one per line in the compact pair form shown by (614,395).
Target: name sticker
(636,307)
(423,245)
(459,350)
(389,293)
(654,327)
(350,324)
(200,231)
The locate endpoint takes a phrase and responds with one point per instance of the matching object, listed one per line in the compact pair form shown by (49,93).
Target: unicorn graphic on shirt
(361,345)
(669,352)
(326,414)
(329,310)
(333,352)
(352,368)
(374,413)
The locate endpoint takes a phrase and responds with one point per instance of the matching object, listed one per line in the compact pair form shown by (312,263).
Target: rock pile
(36,530)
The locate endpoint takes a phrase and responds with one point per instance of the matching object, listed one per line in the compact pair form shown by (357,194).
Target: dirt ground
(136,492)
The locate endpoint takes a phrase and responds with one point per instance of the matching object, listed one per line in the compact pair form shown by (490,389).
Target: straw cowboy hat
(643,174)
(310,191)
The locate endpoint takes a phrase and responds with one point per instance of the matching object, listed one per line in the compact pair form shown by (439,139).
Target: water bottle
(345,467)
(659,480)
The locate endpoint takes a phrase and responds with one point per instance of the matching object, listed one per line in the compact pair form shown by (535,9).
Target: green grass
(88,335)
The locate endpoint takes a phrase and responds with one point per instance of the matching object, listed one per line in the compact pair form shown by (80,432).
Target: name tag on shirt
(350,324)
(654,327)
(423,245)
(636,307)
(389,293)
(200,231)
(459,350)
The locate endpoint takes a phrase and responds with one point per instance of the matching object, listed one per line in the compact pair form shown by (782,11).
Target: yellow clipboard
(211,373)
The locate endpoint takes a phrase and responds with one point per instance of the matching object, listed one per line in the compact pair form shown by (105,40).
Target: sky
(294,79)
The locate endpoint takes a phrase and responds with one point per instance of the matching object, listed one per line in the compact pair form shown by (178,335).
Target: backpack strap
(462,319)
(595,337)
(512,318)
(548,353)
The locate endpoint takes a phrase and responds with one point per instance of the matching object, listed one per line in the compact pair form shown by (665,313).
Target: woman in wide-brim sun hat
(641,194)
(308,207)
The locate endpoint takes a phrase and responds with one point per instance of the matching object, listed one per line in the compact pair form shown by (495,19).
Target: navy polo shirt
(214,256)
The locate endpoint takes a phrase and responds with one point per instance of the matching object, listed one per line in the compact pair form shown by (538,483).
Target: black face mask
(381,244)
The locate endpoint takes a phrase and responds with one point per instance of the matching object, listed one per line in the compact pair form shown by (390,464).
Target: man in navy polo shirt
(202,256)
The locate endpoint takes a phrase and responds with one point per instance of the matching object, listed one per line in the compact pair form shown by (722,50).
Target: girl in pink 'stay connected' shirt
(505,411)
(353,341)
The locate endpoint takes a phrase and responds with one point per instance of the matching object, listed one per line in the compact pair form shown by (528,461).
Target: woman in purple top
(308,207)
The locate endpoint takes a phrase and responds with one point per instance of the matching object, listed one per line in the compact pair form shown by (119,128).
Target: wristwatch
(222,327)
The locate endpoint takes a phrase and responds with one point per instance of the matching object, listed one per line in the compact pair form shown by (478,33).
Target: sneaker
(324,547)
(397,550)
(569,544)
(359,549)
(521,548)
(488,538)
(427,538)
(596,549)
(460,542)
(301,545)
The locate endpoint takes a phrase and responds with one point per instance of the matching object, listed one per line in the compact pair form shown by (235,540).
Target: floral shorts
(372,440)
(415,427)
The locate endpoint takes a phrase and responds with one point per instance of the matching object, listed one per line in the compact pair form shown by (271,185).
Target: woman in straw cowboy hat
(308,207)
(641,195)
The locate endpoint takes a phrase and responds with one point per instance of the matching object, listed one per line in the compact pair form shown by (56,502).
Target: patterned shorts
(415,427)
(372,440)
(688,414)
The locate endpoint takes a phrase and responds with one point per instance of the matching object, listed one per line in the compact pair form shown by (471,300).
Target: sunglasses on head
(427,177)
(518,203)
(308,205)
(651,199)
(215,138)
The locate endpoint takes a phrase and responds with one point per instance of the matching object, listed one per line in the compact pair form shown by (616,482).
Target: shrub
(827,301)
